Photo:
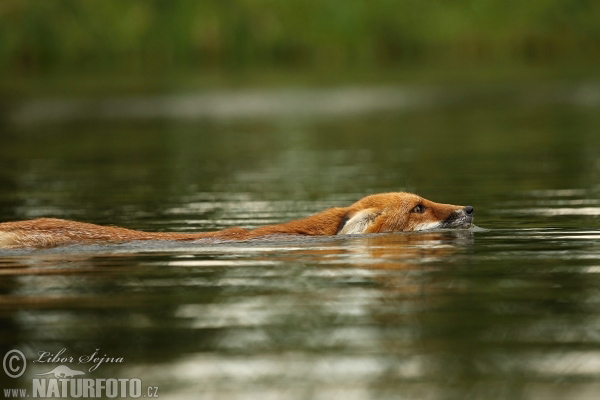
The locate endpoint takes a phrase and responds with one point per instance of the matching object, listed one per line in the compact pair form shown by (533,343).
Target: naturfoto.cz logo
(64,381)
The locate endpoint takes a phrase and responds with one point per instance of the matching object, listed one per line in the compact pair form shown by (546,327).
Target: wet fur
(386,212)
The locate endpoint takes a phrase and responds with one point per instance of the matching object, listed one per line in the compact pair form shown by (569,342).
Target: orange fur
(386,212)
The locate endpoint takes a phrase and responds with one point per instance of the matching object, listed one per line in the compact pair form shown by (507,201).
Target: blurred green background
(153,45)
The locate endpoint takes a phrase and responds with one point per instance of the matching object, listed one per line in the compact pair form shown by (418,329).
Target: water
(509,312)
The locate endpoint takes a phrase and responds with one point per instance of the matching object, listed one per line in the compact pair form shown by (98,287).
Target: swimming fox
(384,212)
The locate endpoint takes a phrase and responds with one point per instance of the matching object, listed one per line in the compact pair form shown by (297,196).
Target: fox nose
(469,210)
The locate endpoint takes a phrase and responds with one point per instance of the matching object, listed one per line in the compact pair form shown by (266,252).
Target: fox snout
(462,218)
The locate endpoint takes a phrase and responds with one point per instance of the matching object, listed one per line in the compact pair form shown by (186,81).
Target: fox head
(395,212)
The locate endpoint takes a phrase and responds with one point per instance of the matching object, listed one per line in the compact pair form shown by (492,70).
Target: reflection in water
(291,103)
(355,316)
(560,211)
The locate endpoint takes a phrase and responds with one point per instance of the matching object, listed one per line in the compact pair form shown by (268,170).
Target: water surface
(509,312)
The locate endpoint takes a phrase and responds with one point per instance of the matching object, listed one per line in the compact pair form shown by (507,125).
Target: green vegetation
(157,35)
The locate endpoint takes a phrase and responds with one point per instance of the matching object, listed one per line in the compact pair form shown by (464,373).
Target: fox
(377,213)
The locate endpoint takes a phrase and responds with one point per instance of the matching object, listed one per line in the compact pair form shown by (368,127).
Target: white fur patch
(8,239)
(427,226)
(359,222)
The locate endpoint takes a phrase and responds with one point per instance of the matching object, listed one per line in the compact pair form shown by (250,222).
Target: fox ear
(358,222)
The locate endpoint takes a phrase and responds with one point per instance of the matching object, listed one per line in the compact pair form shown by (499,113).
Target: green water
(507,313)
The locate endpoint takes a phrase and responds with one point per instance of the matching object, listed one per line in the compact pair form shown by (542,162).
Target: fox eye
(419,209)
